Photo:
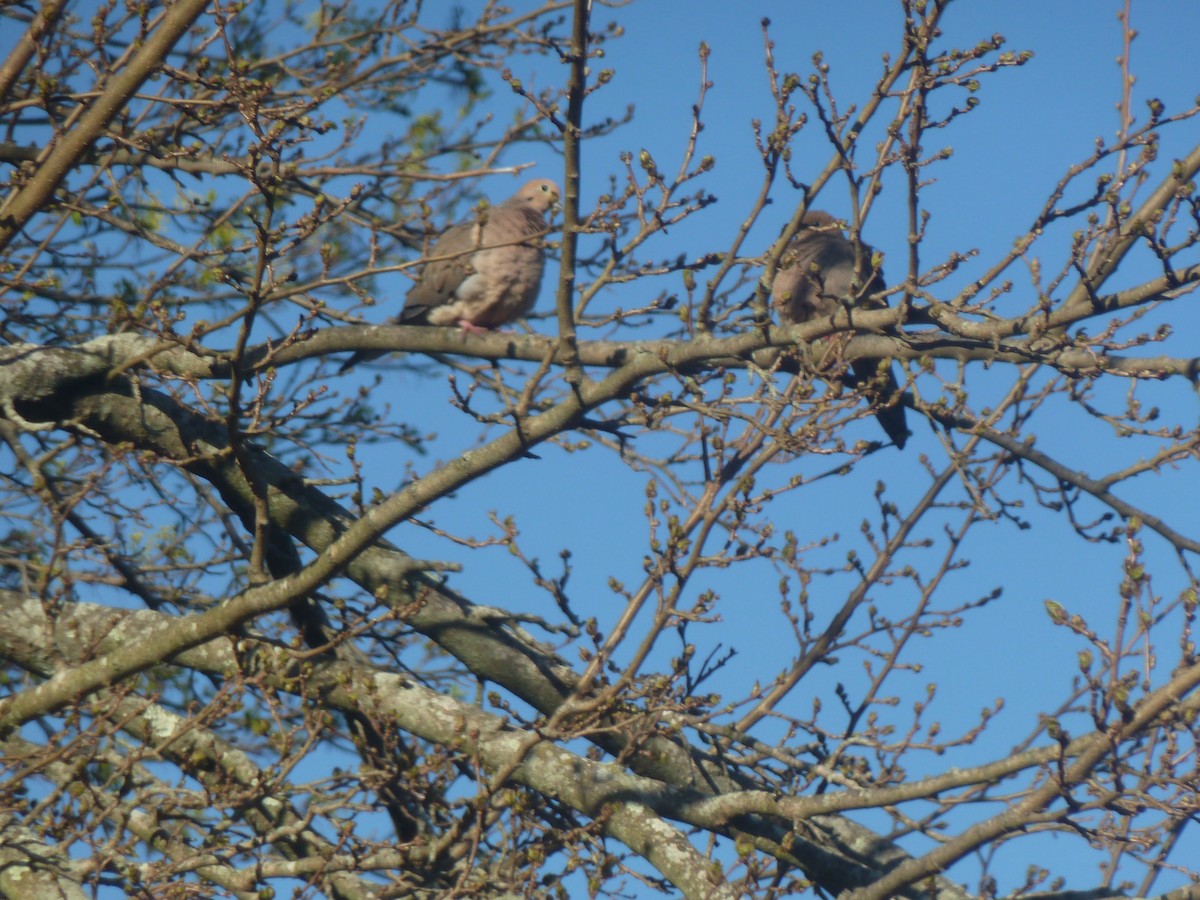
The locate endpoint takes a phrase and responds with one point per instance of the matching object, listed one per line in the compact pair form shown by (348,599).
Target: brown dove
(483,272)
(817,275)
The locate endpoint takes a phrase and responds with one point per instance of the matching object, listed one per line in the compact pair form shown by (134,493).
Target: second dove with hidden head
(484,272)
(821,271)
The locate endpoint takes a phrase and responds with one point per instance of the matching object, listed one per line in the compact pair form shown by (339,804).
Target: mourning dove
(817,275)
(483,272)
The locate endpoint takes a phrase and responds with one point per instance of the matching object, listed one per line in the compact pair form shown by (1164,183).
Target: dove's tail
(879,384)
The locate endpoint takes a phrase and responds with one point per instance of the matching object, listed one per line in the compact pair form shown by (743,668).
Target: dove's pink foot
(471,327)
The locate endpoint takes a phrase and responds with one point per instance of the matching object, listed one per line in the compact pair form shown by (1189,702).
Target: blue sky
(1033,123)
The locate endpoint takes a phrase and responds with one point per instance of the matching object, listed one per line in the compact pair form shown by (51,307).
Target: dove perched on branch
(483,272)
(820,271)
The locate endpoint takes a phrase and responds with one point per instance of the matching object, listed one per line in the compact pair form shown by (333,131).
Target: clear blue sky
(1033,123)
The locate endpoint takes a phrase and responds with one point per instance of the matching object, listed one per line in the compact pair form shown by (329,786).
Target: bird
(484,272)
(820,271)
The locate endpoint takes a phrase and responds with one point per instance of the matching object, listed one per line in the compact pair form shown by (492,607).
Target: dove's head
(539,195)
(818,219)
